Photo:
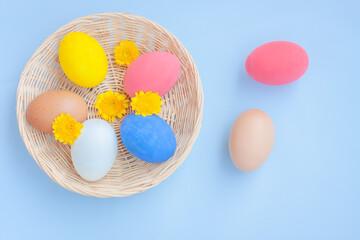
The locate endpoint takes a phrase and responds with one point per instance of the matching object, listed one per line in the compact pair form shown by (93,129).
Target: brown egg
(42,111)
(251,139)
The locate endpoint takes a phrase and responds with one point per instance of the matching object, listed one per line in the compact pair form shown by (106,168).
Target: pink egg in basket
(154,71)
(277,63)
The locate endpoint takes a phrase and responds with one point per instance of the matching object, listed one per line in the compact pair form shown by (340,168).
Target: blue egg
(148,138)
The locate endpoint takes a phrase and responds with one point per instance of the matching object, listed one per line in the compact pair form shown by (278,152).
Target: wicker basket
(182,108)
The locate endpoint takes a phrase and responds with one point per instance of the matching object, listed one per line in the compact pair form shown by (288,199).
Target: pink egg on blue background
(277,63)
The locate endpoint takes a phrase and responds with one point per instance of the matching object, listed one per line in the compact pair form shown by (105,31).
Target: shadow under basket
(182,107)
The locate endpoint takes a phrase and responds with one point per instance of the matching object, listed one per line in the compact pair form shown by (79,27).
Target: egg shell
(94,152)
(251,139)
(82,59)
(148,138)
(277,63)
(155,71)
(43,110)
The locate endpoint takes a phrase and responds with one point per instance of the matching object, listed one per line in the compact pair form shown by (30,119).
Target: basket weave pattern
(182,107)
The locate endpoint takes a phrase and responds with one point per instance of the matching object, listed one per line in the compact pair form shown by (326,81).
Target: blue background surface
(308,188)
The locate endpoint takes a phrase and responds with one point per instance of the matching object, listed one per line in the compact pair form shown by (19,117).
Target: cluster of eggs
(93,153)
(150,138)
(253,133)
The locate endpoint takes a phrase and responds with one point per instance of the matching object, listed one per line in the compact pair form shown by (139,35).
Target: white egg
(94,152)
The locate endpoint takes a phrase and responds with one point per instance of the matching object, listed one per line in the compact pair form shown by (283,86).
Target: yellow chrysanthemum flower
(66,129)
(126,52)
(111,104)
(146,104)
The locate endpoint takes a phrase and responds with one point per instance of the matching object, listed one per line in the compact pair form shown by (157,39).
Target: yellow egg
(83,59)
